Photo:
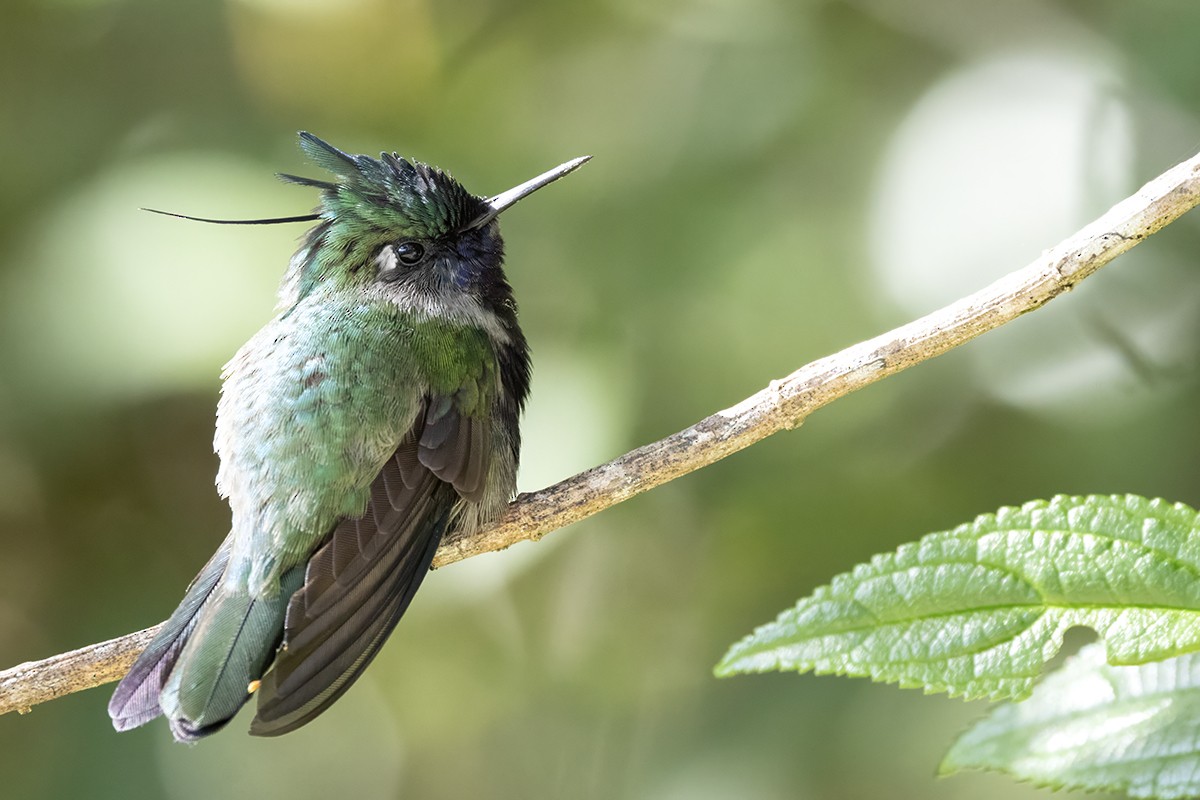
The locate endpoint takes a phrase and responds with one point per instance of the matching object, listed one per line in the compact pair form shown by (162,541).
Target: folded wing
(360,582)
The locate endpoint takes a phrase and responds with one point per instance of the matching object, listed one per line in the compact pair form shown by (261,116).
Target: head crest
(389,191)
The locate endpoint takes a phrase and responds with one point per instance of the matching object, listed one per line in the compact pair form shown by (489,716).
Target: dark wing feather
(454,447)
(360,582)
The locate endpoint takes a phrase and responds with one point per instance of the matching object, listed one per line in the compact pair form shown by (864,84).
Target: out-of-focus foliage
(772,180)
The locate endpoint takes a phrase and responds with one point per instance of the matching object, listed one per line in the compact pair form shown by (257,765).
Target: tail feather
(229,647)
(135,701)
(198,669)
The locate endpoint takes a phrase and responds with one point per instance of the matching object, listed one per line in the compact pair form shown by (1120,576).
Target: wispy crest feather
(389,191)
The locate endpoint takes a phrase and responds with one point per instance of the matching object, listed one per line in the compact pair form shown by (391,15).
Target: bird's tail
(198,669)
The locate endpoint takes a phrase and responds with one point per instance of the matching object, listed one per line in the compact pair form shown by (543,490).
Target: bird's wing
(359,583)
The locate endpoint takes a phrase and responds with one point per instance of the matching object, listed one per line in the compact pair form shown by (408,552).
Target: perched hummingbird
(376,411)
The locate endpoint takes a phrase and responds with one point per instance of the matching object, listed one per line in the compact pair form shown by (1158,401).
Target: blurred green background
(773,180)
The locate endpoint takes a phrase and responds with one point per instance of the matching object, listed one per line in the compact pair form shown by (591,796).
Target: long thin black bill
(267,221)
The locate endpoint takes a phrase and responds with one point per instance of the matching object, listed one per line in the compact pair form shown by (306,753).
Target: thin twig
(784,404)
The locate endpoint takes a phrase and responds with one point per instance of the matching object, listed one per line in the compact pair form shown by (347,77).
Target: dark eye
(410,253)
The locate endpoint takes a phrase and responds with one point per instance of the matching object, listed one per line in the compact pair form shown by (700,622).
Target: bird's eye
(410,253)
(400,259)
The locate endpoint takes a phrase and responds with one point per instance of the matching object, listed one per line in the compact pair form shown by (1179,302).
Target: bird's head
(402,228)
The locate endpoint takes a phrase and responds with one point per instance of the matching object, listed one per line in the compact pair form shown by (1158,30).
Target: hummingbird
(376,411)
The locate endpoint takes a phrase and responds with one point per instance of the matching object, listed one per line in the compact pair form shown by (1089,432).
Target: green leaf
(1094,726)
(978,610)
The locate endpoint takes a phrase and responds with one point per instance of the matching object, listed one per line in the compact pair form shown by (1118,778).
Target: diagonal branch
(784,404)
